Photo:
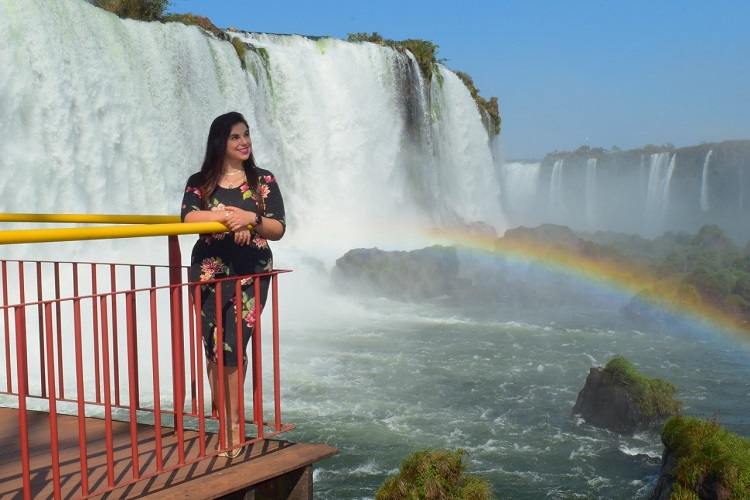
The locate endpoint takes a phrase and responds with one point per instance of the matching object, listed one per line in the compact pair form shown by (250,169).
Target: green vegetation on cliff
(154,10)
(707,270)
(654,396)
(425,53)
(434,474)
(193,20)
(488,109)
(145,10)
(706,454)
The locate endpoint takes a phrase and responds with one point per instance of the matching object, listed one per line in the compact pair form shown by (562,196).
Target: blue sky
(566,72)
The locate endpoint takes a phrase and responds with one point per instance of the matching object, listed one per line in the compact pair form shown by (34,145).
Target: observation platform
(105,365)
(269,468)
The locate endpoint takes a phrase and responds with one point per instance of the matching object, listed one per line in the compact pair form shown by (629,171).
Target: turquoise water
(388,379)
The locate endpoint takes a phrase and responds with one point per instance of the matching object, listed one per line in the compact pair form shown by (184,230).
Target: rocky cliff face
(416,275)
(710,487)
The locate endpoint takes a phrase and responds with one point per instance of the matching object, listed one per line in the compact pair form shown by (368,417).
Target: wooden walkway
(210,478)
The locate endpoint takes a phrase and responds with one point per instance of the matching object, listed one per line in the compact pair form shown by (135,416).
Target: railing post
(178,351)
(23,390)
(6,318)
(276,353)
(25,372)
(257,363)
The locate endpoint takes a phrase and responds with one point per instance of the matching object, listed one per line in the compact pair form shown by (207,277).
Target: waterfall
(644,180)
(591,191)
(704,182)
(113,115)
(657,190)
(667,184)
(519,185)
(556,205)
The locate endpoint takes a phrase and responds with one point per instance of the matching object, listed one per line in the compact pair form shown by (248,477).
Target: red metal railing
(104,340)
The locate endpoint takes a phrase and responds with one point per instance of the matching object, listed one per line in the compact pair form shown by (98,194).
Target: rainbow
(622,278)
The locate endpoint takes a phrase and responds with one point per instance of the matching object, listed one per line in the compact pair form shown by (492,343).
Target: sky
(567,73)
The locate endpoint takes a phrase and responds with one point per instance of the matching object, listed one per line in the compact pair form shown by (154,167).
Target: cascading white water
(519,184)
(643,174)
(591,192)
(365,140)
(113,115)
(704,182)
(666,191)
(654,185)
(556,204)
(657,191)
(104,115)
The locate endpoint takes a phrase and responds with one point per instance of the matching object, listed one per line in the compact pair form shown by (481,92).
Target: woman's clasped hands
(237,220)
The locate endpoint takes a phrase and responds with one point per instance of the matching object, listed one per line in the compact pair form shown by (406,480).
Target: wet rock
(608,403)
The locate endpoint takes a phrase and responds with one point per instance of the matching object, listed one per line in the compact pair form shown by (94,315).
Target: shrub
(488,109)
(193,20)
(712,237)
(145,10)
(654,396)
(365,37)
(742,286)
(706,451)
(424,51)
(712,285)
(434,474)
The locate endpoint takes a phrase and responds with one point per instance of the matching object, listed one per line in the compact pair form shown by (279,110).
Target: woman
(231,189)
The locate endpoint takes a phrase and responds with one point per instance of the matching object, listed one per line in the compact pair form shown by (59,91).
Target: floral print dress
(217,256)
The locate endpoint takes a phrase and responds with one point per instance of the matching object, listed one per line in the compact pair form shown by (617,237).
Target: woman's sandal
(234,453)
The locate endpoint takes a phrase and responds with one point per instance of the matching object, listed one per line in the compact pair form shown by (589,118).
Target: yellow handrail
(91,218)
(141,226)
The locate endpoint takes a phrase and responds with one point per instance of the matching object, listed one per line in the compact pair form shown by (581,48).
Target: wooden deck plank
(211,477)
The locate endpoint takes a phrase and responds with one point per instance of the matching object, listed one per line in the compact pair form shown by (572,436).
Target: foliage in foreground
(705,453)
(654,396)
(434,474)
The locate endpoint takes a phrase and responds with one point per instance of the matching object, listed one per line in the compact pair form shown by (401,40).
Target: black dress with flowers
(218,256)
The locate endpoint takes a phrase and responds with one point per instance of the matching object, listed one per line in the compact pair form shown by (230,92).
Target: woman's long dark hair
(213,162)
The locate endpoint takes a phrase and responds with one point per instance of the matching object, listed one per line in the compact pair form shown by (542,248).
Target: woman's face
(239,145)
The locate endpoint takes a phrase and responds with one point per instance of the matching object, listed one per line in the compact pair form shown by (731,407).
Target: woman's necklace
(231,182)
